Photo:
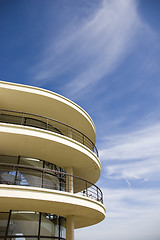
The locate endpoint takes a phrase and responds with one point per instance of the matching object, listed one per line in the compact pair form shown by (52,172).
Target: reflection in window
(63,227)
(27,225)
(3,222)
(26,171)
(49,225)
(24,223)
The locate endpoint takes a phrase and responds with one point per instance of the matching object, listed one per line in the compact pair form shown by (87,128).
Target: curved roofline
(48,93)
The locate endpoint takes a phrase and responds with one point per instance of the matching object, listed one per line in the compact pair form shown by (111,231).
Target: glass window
(51,166)
(49,225)
(18,237)
(3,222)
(62,227)
(31,162)
(24,223)
(35,123)
(7,118)
(29,177)
(8,159)
(7,175)
(50,181)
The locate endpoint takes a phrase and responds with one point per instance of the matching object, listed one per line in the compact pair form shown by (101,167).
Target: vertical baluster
(47,123)
(42,184)
(86,190)
(67,132)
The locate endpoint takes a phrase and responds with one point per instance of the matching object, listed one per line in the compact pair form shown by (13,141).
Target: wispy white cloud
(135,145)
(143,169)
(135,155)
(94,48)
(131,214)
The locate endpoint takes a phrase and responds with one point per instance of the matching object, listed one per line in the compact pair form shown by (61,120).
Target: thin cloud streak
(134,156)
(94,48)
(131,214)
(135,145)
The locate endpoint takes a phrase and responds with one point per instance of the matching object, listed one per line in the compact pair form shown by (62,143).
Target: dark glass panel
(7,118)
(51,166)
(7,175)
(35,123)
(24,223)
(29,177)
(49,238)
(51,181)
(8,159)
(62,227)
(49,225)
(22,238)
(31,162)
(3,223)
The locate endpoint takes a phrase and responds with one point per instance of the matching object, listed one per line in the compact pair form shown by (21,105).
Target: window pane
(3,223)
(8,159)
(7,118)
(31,162)
(49,225)
(18,237)
(50,181)
(24,223)
(62,227)
(51,166)
(7,175)
(35,123)
(29,177)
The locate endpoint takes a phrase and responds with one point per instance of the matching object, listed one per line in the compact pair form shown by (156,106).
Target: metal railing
(15,174)
(38,121)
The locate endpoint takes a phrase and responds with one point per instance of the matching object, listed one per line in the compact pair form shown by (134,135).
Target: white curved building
(48,165)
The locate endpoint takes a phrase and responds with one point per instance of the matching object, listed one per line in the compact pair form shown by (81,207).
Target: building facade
(48,165)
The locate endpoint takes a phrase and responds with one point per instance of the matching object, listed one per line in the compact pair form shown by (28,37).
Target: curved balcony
(37,121)
(16,174)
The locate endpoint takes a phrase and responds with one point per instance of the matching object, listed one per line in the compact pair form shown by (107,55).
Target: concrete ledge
(86,211)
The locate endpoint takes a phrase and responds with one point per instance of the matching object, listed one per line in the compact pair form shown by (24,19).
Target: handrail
(87,188)
(83,139)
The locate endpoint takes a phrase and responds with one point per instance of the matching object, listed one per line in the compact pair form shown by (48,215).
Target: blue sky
(105,56)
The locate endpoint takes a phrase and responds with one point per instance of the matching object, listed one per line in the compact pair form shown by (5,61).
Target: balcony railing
(33,120)
(16,174)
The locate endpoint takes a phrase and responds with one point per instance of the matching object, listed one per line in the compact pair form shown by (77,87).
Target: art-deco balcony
(20,131)
(29,177)
(33,120)
(48,178)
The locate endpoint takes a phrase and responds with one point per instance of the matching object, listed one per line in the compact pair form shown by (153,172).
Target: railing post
(42,179)
(69,186)
(47,123)
(22,122)
(67,131)
(86,190)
